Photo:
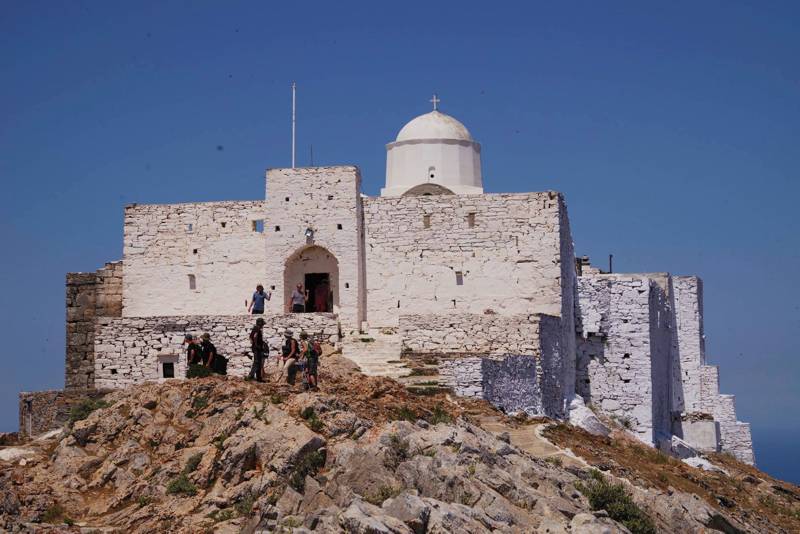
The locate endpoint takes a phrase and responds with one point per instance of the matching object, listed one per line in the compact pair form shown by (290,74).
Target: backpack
(220,364)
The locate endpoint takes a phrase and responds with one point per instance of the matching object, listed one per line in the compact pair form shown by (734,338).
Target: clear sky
(673,129)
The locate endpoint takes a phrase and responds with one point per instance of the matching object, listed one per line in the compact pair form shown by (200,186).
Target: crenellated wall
(131,350)
(203,258)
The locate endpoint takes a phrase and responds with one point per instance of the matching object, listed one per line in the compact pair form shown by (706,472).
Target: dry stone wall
(451,254)
(326,201)
(192,259)
(131,350)
(624,351)
(515,362)
(42,411)
(89,295)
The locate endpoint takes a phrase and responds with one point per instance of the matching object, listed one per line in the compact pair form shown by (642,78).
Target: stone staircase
(377,352)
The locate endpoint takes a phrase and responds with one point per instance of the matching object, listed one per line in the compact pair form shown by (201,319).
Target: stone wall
(326,200)
(201,258)
(515,361)
(624,351)
(451,254)
(89,295)
(131,350)
(41,411)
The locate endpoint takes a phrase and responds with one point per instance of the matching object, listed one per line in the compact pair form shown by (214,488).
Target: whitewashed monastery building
(486,286)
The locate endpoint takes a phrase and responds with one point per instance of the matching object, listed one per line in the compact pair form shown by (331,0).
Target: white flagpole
(294,86)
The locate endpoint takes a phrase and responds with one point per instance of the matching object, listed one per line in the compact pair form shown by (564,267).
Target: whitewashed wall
(127,349)
(213,241)
(509,259)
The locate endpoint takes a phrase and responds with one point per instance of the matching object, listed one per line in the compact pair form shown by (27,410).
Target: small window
(459,278)
(287,199)
(338,226)
(277,228)
(258,226)
(223,224)
(330,197)
(272,288)
(431,172)
(192,282)
(113,371)
(347,285)
(471,220)
(426,221)
(189,227)
(194,251)
(168,370)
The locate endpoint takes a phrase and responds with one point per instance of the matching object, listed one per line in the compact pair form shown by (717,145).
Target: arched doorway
(317,270)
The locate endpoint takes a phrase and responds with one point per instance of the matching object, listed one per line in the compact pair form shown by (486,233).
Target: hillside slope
(361,455)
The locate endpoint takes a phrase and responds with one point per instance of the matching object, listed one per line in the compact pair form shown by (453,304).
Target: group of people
(298,301)
(296,356)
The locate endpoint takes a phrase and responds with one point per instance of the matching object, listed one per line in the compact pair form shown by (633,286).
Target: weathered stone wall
(687,303)
(569,291)
(41,411)
(201,258)
(624,351)
(131,350)
(326,200)
(451,254)
(517,364)
(89,295)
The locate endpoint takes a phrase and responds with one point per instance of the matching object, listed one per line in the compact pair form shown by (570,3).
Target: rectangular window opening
(113,371)
(168,370)
(471,220)
(347,285)
(459,278)
(189,227)
(223,224)
(426,221)
(192,282)
(338,226)
(258,226)
(277,228)
(194,251)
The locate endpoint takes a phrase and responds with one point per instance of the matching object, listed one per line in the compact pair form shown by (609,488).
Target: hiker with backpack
(289,354)
(208,351)
(309,361)
(193,350)
(260,351)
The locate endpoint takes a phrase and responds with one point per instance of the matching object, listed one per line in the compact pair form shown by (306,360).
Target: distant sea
(778,452)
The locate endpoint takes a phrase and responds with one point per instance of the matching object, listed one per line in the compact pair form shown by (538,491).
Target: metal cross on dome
(435,101)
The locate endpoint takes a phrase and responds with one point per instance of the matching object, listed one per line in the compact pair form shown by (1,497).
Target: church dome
(434,125)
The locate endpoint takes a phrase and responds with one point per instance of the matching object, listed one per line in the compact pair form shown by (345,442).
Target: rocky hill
(362,455)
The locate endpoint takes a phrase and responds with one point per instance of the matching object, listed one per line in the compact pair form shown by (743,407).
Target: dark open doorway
(320,296)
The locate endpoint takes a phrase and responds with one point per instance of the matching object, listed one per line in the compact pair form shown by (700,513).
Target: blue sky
(673,130)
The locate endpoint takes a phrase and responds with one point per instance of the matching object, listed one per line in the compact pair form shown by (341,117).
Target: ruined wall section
(449,254)
(88,295)
(42,411)
(326,200)
(514,361)
(131,350)
(196,258)
(624,344)
(569,291)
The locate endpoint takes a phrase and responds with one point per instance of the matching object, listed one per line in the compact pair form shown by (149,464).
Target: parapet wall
(131,350)
(89,295)
(451,254)
(515,362)
(202,258)
(42,411)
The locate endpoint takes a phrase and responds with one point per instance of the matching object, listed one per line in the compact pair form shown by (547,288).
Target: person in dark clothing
(289,355)
(193,350)
(259,297)
(208,351)
(260,350)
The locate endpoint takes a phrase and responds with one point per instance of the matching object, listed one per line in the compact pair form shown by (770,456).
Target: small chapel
(486,289)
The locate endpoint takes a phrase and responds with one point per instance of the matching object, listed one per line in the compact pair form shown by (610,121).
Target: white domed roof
(434,125)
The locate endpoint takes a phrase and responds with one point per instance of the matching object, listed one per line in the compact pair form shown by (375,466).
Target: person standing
(257,303)
(193,350)
(299,299)
(289,354)
(260,350)
(208,351)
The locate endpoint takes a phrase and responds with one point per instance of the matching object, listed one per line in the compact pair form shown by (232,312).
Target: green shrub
(276,398)
(309,464)
(383,493)
(192,463)
(245,506)
(314,423)
(198,403)
(397,451)
(219,440)
(198,371)
(143,500)
(439,415)
(53,514)
(82,410)
(614,499)
(404,413)
(181,485)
